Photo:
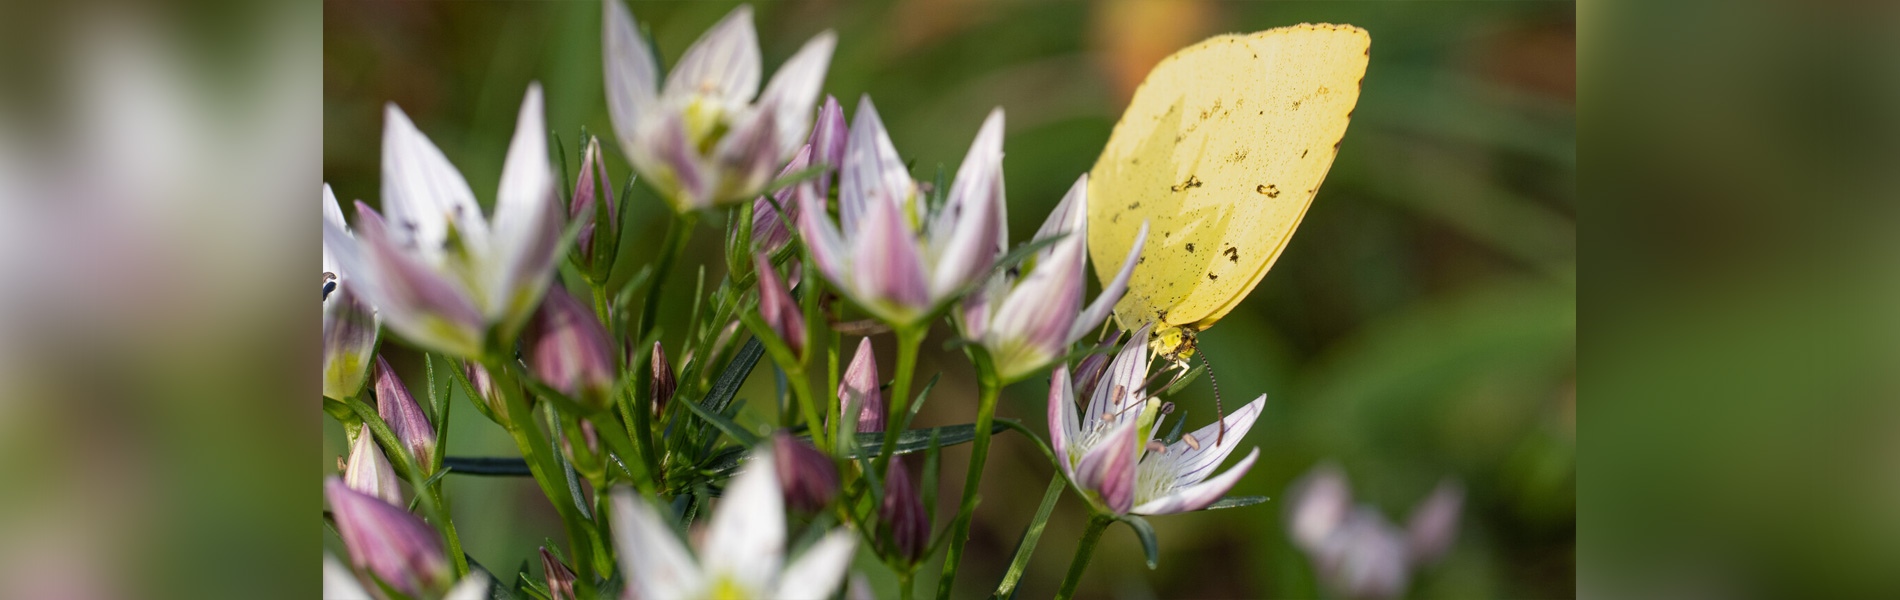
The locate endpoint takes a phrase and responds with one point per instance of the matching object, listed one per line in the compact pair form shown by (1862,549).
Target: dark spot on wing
(1239,155)
(1296,104)
(1132,206)
(1190,247)
(1272,191)
(1303,152)
(1233,254)
(1211,276)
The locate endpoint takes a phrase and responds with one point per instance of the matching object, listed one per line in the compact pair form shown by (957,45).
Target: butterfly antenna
(1219,414)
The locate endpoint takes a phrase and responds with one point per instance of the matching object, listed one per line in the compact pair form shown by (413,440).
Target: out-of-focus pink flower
(438,272)
(858,390)
(399,409)
(894,257)
(350,324)
(903,512)
(388,542)
(806,475)
(1028,318)
(703,139)
(1109,452)
(1355,550)
(567,348)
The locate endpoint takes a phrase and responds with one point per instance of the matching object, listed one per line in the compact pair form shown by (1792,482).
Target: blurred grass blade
(1236,502)
(729,381)
(491,466)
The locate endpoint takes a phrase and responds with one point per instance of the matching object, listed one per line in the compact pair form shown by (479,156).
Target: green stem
(1083,551)
(988,386)
(601,304)
(448,530)
(801,392)
(908,339)
(905,589)
(678,232)
(1031,535)
(529,439)
(643,437)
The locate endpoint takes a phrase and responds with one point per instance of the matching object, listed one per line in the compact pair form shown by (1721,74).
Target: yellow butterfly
(1221,151)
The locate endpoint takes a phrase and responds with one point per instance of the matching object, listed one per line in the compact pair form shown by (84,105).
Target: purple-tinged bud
(903,512)
(770,231)
(806,475)
(664,383)
(592,187)
(1089,371)
(488,397)
(404,416)
(567,348)
(827,142)
(1365,558)
(858,390)
(1434,524)
(349,336)
(560,578)
(388,542)
(777,307)
(368,471)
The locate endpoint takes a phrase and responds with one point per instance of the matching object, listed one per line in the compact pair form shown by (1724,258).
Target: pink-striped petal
(1199,495)
(630,73)
(723,63)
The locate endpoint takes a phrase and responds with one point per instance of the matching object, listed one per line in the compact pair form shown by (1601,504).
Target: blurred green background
(1421,325)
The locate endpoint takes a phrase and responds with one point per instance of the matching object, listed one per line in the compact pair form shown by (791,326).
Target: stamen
(1192,442)
(1156,446)
(329,284)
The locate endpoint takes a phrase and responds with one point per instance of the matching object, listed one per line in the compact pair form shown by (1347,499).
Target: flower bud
(859,390)
(1320,501)
(903,512)
(807,476)
(770,230)
(1089,371)
(560,578)
(567,348)
(779,310)
(593,187)
(368,471)
(388,542)
(827,143)
(488,397)
(664,384)
(350,324)
(404,416)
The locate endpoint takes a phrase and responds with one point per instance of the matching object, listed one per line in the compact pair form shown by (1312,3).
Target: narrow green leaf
(1174,435)
(917,404)
(929,487)
(1026,545)
(1182,383)
(729,381)
(1146,533)
(489,466)
(1236,502)
(724,424)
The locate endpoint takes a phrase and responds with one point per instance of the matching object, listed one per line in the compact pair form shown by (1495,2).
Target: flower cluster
(664,485)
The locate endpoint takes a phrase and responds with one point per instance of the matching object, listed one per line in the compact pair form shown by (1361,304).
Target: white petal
(472,587)
(723,63)
(746,539)
(527,219)
(423,194)
(872,171)
(652,558)
(821,235)
(332,216)
(426,307)
(1199,495)
(1128,371)
(1105,302)
(1062,423)
(887,270)
(817,573)
(1197,464)
(965,235)
(339,583)
(793,91)
(1109,467)
(630,73)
